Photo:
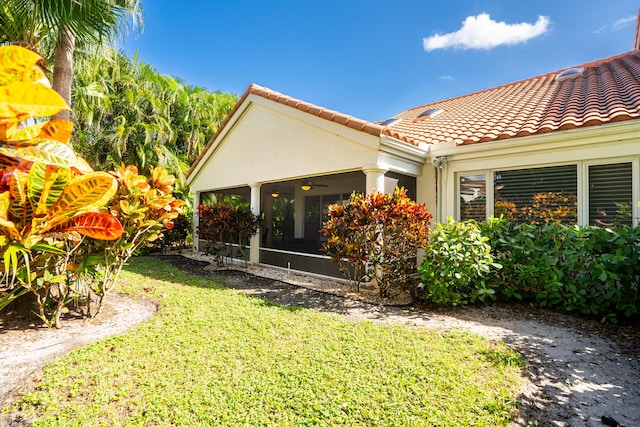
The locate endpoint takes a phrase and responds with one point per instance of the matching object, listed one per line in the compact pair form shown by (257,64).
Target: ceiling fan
(308,185)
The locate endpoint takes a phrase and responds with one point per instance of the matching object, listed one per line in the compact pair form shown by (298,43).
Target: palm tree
(55,27)
(127,112)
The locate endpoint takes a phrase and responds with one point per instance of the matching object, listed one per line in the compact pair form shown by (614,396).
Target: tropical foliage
(48,195)
(56,28)
(145,207)
(126,112)
(61,223)
(56,212)
(224,227)
(376,237)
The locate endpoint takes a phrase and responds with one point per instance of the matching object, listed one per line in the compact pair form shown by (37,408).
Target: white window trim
(582,169)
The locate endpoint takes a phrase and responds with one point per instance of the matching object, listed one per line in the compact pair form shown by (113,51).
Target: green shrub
(611,273)
(588,269)
(177,237)
(457,260)
(529,255)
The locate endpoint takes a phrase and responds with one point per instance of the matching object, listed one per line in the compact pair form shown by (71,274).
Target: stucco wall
(270,142)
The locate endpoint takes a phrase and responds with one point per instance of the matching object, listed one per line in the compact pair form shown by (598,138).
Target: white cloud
(617,25)
(623,22)
(447,78)
(481,32)
(600,30)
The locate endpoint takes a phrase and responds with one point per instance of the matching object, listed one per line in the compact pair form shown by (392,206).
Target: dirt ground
(577,369)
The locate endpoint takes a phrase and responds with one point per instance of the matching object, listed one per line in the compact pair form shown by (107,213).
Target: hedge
(585,269)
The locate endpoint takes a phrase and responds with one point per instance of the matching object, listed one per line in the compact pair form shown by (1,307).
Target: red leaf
(100,226)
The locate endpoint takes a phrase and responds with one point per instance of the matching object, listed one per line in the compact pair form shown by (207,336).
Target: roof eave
(615,132)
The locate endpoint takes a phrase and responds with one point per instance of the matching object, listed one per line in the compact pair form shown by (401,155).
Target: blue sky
(373,59)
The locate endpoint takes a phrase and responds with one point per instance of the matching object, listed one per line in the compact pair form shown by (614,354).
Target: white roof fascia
(401,156)
(612,133)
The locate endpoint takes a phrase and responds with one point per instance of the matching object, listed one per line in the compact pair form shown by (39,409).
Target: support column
(375,183)
(298,214)
(375,177)
(254,243)
(196,221)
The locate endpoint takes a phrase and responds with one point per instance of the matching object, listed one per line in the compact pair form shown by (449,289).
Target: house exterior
(563,145)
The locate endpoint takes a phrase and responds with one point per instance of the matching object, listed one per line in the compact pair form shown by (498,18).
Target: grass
(214,356)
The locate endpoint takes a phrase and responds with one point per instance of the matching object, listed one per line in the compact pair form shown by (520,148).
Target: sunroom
(288,161)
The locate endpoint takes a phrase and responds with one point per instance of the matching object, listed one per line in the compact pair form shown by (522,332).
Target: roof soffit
(388,143)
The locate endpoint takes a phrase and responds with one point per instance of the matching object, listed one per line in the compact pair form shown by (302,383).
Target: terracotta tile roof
(334,116)
(607,91)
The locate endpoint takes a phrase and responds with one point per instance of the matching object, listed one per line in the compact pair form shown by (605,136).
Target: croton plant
(56,212)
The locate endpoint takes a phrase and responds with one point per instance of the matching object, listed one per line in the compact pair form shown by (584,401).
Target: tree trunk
(63,69)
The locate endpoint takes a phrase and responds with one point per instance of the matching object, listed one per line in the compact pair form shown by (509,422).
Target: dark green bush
(180,233)
(177,237)
(457,260)
(590,270)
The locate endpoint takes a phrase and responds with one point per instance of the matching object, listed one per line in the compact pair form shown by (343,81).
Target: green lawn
(216,357)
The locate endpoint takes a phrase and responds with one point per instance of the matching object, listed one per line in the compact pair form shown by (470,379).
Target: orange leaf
(59,130)
(8,128)
(100,226)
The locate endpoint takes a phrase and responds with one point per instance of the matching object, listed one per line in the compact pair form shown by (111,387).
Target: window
(539,195)
(550,194)
(473,197)
(610,195)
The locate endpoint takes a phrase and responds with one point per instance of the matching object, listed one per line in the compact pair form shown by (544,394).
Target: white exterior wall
(426,189)
(266,142)
(270,142)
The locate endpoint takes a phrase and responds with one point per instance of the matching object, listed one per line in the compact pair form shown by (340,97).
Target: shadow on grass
(273,291)
(260,288)
(551,371)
